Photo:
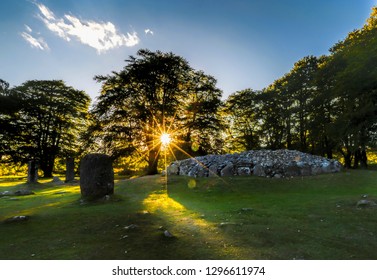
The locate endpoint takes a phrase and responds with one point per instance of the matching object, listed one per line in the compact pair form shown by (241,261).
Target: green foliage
(45,122)
(351,74)
(155,93)
(324,105)
(241,113)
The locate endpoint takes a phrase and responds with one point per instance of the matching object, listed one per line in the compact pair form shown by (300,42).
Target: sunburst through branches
(165,139)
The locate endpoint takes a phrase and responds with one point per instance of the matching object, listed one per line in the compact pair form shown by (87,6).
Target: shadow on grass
(301,218)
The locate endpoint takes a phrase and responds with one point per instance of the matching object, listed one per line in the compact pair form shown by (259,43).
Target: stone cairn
(96,176)
(263,163)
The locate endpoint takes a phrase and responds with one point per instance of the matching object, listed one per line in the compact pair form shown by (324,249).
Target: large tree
(45,122)
(155,93)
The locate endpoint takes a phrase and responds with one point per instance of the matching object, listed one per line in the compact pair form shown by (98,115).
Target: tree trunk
(357,159)
(289,135)
(47,166)
(329,153)
(363,159)
(347,159)
(327,147)
(47,171)
(153,157)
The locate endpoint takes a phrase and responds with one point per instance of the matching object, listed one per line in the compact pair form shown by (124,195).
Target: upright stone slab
(228,170)
(69,170)
(96,176)
(32,172)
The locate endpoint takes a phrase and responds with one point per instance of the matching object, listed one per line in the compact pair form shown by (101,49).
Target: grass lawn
(210,218)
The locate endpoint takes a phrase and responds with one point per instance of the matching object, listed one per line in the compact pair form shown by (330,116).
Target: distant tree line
(324,105)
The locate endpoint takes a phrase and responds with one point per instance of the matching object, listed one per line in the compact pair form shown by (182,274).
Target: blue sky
(242,43)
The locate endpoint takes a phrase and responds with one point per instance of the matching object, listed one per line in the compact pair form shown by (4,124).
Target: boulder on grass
(96,176)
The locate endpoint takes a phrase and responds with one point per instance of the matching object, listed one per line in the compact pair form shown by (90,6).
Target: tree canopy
(323,105)
(155,93)
(44,122)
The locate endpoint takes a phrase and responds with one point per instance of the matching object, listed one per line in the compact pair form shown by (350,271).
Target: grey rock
(213,170)
(69,170)
(264,163)
(364,203)
(224,224)
(56,181)
(228,170)
(17,219)
(168,234)
(5,193)
(96,176)
(23,192)
(243,171)
(32,173)
(306,170)
(131,227)
(173,169)
(292,170)
(259,170)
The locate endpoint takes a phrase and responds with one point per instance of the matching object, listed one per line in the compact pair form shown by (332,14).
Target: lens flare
(165,139)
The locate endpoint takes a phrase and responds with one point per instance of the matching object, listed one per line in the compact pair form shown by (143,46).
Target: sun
(165,139)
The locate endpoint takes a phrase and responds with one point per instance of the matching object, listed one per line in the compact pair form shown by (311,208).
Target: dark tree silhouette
(155,93)
(45,122)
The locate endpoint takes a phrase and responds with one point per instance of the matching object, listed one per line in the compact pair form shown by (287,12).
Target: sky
(242,43)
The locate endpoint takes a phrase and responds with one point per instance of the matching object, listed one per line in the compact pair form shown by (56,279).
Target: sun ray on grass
(185,222)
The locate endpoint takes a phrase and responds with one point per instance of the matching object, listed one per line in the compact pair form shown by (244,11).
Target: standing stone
(32,172)
(96,176)
(56,181)
(69,170)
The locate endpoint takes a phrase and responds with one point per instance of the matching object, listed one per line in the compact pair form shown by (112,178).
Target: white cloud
(38,43)
(148,31)
(28,28)
(101,36)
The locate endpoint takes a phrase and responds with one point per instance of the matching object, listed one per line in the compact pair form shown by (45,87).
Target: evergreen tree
(155,93)
(44,123)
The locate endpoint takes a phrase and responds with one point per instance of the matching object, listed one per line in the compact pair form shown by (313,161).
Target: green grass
(210,218)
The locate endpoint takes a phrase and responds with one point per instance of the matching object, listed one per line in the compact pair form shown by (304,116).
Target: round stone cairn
(263,163)
(96,176)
